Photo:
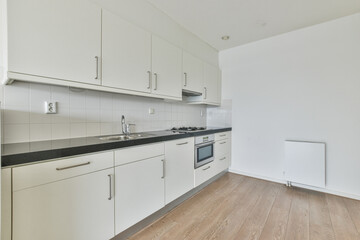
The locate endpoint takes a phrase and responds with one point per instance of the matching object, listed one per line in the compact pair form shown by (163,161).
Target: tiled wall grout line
(86,113)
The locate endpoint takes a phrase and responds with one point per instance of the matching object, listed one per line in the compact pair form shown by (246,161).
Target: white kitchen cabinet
(126,55)
(222,163)
(78,208)
(37,174)
(179,168)
(211,92)
(204,173)
(193,78)
(55,39)
(211,83)
(166,69)
(222,151)
(222,136)
(136,61)
(6,204)
(139,191)
(222,159)
(222,147)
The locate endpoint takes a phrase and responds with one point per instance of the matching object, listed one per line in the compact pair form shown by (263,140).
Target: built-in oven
(204,150)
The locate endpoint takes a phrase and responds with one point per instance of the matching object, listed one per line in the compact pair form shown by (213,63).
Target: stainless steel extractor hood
(189,93)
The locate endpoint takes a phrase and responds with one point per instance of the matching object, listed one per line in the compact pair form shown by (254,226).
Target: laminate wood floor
(239,207)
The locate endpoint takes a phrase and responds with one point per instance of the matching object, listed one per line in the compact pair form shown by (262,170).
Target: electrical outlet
(151,110)
(50,107)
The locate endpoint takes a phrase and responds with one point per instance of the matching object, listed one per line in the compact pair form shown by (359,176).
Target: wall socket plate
(50,107)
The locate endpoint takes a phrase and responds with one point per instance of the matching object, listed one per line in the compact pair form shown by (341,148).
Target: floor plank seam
(247,208)
(332,224)
(350,215)
(331,221)
(268,214)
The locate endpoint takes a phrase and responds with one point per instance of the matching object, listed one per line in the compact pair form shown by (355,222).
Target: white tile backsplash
(220,116)
(13,133)
(60,130)
(16,114)
(40,132)
(86,113)
(77,130)
(17,94)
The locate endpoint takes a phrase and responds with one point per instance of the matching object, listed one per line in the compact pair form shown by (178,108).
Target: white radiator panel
(305,163)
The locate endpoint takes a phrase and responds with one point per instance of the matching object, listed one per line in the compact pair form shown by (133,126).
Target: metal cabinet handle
(73,166)
(97,67)
(206,168)
(185,82)
(156,81)
(222,142)
(182,143)
(222,135)
(163,162)
(222,158)
(110,186)
(149,84)
(205,89)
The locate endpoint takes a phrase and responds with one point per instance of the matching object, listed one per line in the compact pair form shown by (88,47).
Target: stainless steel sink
(123,137)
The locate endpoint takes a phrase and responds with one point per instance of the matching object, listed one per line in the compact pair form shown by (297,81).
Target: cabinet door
(211,83)
(166,66)
(222,163)
(204,173)
(74,209)
(126,55)
(139,189)
(55,39)
(193,73)
(179,168)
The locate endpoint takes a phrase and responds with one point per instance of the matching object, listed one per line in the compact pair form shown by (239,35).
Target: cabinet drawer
(204,173)
(133,154)
(222,135)
(222,163)
(222,147)
(42,173)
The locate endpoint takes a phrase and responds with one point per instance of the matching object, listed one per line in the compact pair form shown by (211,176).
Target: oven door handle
(204,144)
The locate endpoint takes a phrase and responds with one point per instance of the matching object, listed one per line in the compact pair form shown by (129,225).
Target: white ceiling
(250,20)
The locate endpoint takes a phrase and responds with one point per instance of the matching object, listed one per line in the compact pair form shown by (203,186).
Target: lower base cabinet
(98,196)
(222,163)
(139,191)
(76,208)
(204,173)
(179,168)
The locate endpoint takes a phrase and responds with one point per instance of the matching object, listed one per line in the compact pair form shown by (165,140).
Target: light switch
(50,107)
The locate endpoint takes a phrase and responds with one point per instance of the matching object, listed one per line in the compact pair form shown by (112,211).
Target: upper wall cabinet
(126,54)
(211,84)
(166,68)
(55,39)
(193,73)
(77,43)
(211,92)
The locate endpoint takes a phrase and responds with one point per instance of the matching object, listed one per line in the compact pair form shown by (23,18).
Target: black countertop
(29,152)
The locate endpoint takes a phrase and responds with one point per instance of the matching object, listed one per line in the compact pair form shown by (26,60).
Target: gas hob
(187,129)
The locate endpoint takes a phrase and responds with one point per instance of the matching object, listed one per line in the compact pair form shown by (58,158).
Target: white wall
(86,113)
(303,85)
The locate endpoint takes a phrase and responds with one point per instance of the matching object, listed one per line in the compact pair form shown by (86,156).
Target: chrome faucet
(125,126)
